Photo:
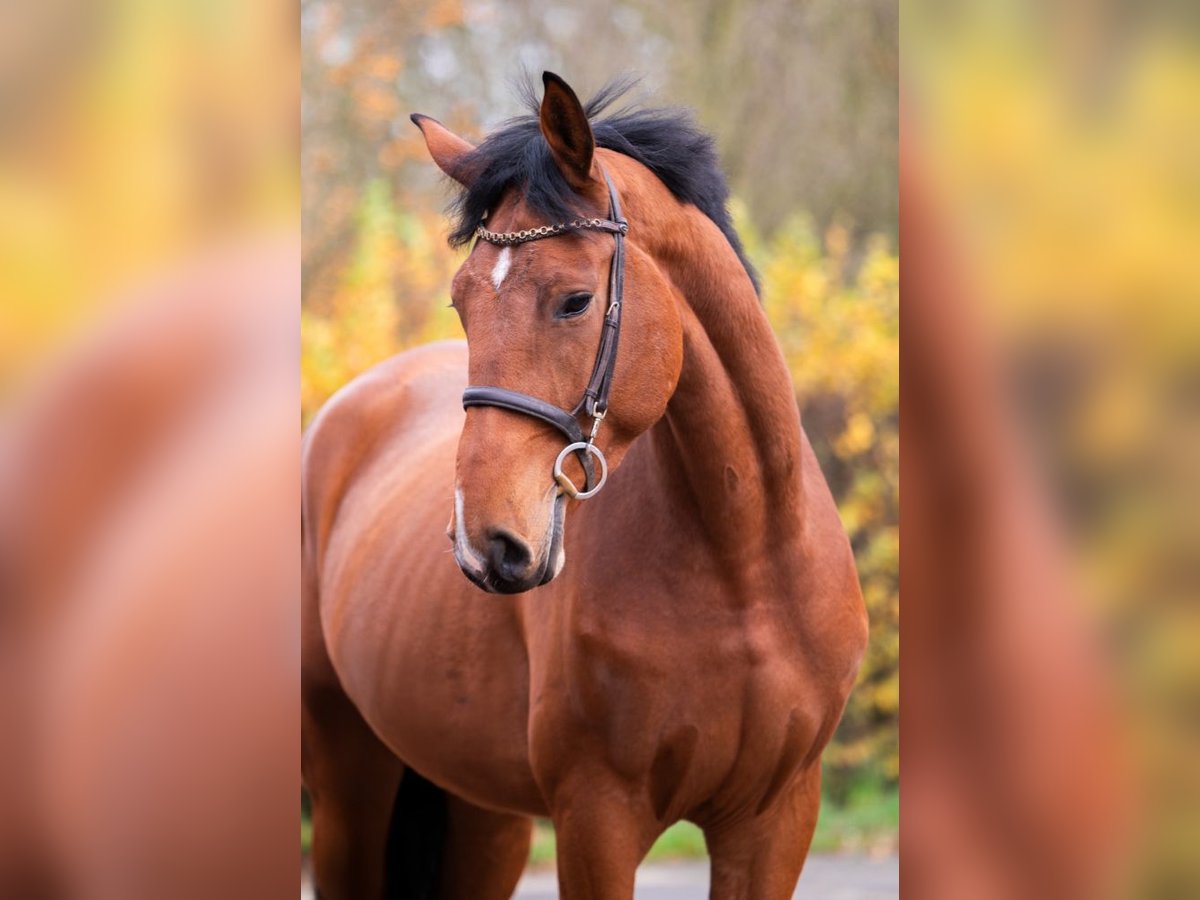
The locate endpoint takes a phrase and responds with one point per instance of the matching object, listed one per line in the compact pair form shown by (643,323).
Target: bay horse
(677,641)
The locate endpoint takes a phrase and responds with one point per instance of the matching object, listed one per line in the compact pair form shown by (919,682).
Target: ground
(840,877)
(827,877)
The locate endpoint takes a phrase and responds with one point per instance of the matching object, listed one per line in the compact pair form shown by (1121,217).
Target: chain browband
(595,397)
(506,238)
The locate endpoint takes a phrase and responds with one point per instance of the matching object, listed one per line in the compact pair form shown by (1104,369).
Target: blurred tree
(802,97)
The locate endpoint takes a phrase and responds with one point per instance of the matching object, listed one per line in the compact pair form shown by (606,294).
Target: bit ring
(568,486)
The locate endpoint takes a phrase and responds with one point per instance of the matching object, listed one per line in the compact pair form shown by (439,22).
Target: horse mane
(665,140)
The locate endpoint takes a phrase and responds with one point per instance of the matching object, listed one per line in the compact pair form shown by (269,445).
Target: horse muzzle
(506,563)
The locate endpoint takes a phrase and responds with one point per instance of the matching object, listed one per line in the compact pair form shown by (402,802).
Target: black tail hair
(416,837)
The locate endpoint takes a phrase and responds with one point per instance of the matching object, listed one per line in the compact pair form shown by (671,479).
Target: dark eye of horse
(575,305)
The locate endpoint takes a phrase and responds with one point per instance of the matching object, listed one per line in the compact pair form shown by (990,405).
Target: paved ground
(825,877)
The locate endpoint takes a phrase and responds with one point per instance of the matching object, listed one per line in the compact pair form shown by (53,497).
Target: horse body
(690,661)
(406,633)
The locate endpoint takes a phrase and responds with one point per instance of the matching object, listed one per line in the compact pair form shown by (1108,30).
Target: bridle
(595,397)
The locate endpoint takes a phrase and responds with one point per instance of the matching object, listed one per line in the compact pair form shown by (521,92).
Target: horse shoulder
(360,425)
(368,416)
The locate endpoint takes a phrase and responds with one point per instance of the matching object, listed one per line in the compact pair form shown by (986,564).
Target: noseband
(595,397)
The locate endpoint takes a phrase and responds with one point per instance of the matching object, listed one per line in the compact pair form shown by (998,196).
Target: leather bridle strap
(595,396)
(600,383)
(530,406)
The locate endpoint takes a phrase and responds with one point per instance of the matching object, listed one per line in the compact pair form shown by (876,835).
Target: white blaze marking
(503,263)
(560,556)
(460,533)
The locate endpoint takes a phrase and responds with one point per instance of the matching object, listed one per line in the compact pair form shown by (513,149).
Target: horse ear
(565,127)
(448,150)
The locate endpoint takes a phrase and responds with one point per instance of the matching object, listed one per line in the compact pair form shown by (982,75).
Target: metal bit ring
(568,486)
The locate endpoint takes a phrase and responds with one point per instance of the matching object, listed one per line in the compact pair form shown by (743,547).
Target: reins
(594,402)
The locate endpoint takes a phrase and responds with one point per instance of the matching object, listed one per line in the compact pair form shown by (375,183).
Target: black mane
(666,141)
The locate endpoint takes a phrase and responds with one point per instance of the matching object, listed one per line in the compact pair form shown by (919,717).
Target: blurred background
(149,307)
(1051,364)
(803,101)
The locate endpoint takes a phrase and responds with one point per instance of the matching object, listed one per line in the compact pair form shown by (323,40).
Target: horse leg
(484,854)
(602,833)
(760,858)
(352,781)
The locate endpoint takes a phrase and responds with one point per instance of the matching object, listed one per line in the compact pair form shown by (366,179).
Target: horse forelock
(666,140)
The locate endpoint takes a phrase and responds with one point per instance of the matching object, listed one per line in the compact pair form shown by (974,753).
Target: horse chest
(694,721)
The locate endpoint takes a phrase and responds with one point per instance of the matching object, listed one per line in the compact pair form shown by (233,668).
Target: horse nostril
(510,556)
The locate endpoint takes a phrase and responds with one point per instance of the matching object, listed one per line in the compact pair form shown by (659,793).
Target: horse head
(542,297)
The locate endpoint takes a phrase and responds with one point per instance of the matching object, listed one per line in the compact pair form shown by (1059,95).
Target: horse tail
(416,837)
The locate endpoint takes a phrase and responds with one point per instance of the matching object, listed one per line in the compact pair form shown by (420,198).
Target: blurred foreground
(1051,372)
(149,270)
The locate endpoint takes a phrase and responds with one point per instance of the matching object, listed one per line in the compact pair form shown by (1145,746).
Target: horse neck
(730,442)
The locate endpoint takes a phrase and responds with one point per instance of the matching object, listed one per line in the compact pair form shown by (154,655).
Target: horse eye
(575,305)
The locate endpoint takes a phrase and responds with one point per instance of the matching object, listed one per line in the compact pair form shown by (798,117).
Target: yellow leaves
(391,293)
(141,151)
(886,696)
(880,273)
(359,333)
(837,245)
(1076,195)
(838,324)
(858,436)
